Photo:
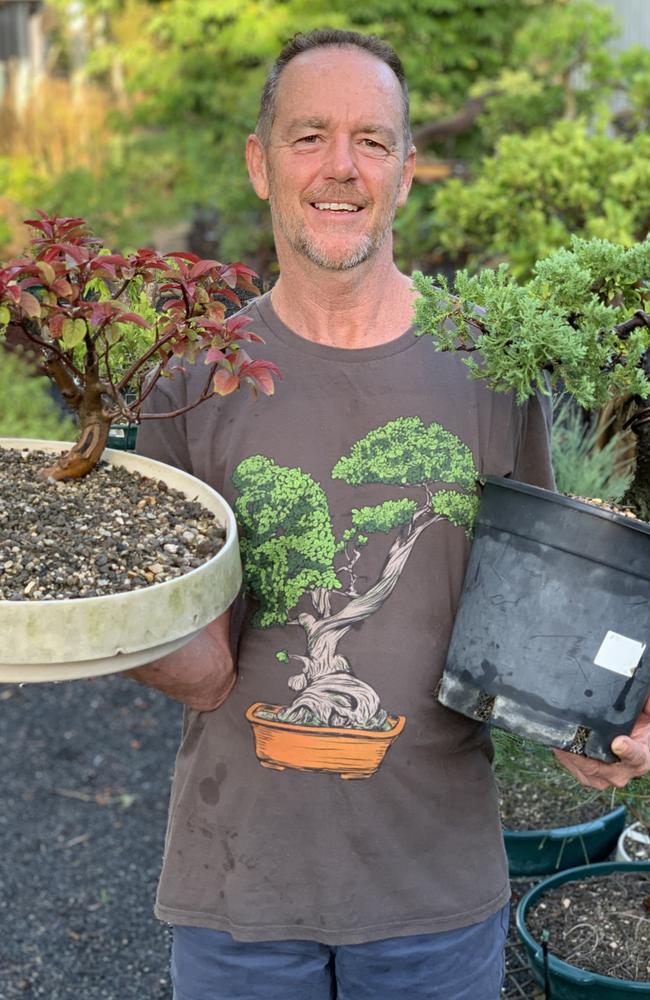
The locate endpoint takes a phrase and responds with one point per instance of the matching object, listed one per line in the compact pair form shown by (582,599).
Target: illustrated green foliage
(287,542)
(286,537)
(282,656)
(406,452)
(557,329)
(384,517)
(459,508)
(27,408)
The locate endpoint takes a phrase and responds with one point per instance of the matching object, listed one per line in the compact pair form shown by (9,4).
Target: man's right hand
(200,674)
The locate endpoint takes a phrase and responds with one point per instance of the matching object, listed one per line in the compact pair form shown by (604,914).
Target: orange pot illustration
(351,753)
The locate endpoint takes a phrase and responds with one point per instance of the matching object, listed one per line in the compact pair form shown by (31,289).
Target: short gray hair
(322,38)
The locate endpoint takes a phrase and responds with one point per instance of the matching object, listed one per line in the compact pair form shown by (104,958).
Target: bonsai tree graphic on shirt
(289,550)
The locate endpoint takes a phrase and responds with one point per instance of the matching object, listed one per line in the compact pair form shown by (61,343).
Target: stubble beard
(300,242)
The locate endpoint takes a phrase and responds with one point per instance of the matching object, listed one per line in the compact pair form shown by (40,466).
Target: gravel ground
(85,773)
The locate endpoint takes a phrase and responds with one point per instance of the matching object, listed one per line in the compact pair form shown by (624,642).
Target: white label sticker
(620,654)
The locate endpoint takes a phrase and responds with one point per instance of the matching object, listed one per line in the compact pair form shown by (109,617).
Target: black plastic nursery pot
(566,981)
(553,621)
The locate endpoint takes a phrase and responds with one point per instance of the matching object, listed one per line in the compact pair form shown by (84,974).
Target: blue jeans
(465,964)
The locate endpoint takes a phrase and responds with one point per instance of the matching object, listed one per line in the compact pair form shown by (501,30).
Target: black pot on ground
(553,621)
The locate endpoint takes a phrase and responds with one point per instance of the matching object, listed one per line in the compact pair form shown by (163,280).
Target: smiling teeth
(338,207)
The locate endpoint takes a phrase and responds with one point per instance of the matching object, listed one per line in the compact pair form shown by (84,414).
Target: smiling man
(354,489)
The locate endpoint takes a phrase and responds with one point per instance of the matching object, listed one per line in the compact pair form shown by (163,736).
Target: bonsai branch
(205,394)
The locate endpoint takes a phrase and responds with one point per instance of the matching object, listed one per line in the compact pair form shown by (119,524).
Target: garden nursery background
(532,124)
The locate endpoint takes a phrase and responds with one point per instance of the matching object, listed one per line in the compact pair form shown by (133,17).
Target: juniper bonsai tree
(580,324)
(101,323)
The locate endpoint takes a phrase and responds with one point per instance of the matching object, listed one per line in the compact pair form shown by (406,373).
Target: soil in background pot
(599,924)
(536,806)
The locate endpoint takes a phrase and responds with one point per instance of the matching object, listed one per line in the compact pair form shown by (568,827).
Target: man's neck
(363,307)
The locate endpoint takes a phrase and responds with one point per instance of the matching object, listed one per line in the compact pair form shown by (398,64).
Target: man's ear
(408,169)
(257,169)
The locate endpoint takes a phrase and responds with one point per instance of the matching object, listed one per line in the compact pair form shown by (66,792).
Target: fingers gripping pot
(554,619)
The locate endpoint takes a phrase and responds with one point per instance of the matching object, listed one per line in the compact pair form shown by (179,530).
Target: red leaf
(244,270)
(261,374)
(202,267)
(214,354)
(62,287)
(224,382)
(248,335)
(212,325)
(235,324)
(30,305)
(184,255)
(78,254)
(56,325)
(131,317)
(109,258)
(231,296)
(228,275)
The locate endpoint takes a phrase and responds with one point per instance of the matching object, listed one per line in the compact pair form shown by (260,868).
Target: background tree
(290,551)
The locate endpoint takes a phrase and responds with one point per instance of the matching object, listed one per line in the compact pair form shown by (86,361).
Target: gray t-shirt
(331,797)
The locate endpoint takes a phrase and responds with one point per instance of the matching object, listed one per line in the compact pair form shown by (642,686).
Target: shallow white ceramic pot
(91,636)
(636,832)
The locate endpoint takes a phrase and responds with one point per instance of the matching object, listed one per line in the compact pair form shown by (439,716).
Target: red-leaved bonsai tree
(105,327)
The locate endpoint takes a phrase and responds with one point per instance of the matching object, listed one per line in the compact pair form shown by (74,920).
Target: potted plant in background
(550,822)
(587,932)
(104,329)
(552,627)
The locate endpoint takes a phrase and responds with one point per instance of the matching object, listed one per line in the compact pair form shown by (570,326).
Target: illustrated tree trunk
(328,693)
(93,435)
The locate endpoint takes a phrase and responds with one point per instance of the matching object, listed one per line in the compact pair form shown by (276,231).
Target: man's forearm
(200,674)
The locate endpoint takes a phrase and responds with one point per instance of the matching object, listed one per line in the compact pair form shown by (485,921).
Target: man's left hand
(633,751)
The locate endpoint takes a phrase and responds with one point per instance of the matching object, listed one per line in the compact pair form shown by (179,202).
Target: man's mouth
(335,206)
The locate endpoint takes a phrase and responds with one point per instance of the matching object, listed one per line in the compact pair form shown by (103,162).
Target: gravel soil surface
(85,775)
(111,531)
(598,924)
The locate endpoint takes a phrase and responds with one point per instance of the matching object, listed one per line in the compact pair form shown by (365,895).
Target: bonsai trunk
(94,426)
(328,691)
(637,495)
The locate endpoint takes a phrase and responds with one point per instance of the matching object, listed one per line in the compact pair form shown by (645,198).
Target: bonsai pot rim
(375,734)
(535,851)
(564,971)
(90,636)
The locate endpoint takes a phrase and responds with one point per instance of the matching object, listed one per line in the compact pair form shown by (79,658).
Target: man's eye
(309,139)
(373,145)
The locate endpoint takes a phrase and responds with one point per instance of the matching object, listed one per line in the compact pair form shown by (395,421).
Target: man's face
(335,170)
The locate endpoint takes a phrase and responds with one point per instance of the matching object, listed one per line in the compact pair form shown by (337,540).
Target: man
(282,877)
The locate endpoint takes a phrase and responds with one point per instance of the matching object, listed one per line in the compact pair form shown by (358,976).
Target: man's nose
(340,163)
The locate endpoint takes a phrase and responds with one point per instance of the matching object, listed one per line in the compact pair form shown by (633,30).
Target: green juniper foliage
(559,325)
(578,325)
